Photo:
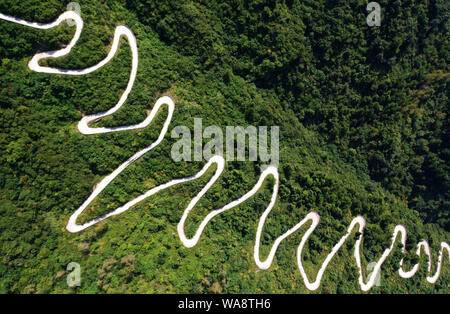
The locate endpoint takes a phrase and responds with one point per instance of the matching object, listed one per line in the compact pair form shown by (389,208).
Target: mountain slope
(363,116)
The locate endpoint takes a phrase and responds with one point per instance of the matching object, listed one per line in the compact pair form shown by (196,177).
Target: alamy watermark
(73,6)
(74,277)
(371,267)
(233,146)
(374,17)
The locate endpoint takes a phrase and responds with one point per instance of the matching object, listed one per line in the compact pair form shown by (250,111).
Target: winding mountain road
(219,161)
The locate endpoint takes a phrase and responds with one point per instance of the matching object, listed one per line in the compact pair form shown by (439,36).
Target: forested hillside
(364,127)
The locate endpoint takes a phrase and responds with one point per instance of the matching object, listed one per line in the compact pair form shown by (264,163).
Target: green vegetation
(364,127)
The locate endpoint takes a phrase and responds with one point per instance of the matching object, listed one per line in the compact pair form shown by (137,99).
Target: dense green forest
(364,127)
